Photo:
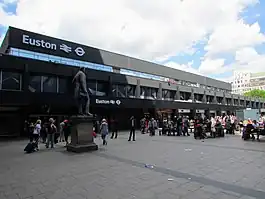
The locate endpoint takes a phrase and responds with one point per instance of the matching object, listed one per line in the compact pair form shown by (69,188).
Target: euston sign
(108,102)
(26,39)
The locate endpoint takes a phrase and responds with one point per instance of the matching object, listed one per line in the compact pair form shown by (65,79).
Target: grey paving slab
(182,168)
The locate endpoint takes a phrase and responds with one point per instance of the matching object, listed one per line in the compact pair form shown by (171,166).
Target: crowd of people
(201,127)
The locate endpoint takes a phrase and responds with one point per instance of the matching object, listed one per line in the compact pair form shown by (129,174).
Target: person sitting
(248,130)
(255,130)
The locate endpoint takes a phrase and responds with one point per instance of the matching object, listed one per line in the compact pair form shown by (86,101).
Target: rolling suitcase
(30,147)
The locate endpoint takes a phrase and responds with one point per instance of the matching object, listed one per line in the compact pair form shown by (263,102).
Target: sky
(206,37)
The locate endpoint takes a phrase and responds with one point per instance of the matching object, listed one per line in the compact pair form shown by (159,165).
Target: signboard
(34,42)
(212,111)
(108,102)
(200,111)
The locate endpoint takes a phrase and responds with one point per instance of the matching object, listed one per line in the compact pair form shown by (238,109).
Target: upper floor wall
(22,39)
(58,72)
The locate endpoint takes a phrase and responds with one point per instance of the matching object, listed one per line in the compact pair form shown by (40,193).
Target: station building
(36,73)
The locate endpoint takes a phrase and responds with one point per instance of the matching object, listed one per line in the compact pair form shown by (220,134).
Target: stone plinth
(82,139)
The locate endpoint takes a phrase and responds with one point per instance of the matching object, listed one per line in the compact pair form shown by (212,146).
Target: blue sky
(197,60)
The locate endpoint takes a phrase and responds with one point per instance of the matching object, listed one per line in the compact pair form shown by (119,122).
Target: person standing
(104,131)
(179,126)
(186,126)
(51,130)
(36,133)
(61,139)
(66,130)
(151,127)
(132,131)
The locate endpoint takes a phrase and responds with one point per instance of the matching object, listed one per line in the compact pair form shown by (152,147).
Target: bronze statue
(80,93)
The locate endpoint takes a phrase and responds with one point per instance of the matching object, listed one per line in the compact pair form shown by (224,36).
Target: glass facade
(47,84)
(57,59)
(10,81)
(142,75)
(77,63)
(168,94)
(97,88)
(123,91)
(148,93)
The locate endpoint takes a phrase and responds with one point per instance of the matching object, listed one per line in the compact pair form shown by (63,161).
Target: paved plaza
(181,167)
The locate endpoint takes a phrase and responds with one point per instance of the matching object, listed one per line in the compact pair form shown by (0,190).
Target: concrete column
(25,79)
(224,99)
(258,100)
(138,89)
(238,99)
(245,102)
(109,93)
(255,103)
(232,100)
(204,99)
(177,94)
(159,92)
(192,95)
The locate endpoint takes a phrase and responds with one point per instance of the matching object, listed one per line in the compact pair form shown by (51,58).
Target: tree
(256,93)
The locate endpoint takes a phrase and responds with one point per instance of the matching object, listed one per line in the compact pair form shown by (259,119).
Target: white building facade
(246,81)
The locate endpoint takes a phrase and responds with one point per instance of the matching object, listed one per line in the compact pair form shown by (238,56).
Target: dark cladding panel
(39,43)
(218,84)
(113,59)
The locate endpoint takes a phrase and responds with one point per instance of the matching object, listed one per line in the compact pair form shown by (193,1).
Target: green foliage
(256,93)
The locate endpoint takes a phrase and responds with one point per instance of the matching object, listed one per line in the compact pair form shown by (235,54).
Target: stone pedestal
(82,139)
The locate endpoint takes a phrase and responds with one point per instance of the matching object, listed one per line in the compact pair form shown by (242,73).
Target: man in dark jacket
(132,131)
(186,126)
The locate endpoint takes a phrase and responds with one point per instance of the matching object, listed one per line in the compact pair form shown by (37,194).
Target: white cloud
(184,67)
(233,36)
(212,66)
(149,29)
(249,60)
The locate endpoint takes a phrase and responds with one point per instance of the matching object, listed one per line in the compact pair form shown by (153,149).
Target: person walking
(104,131)
(132,131)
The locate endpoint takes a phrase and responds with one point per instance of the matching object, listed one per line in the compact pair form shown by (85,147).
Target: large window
(148,93)
(168,94)
(102,88)
(62,85)
(131,91)
(121,91)
(92,87)
(35,84)
(49,84)
(10,80)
